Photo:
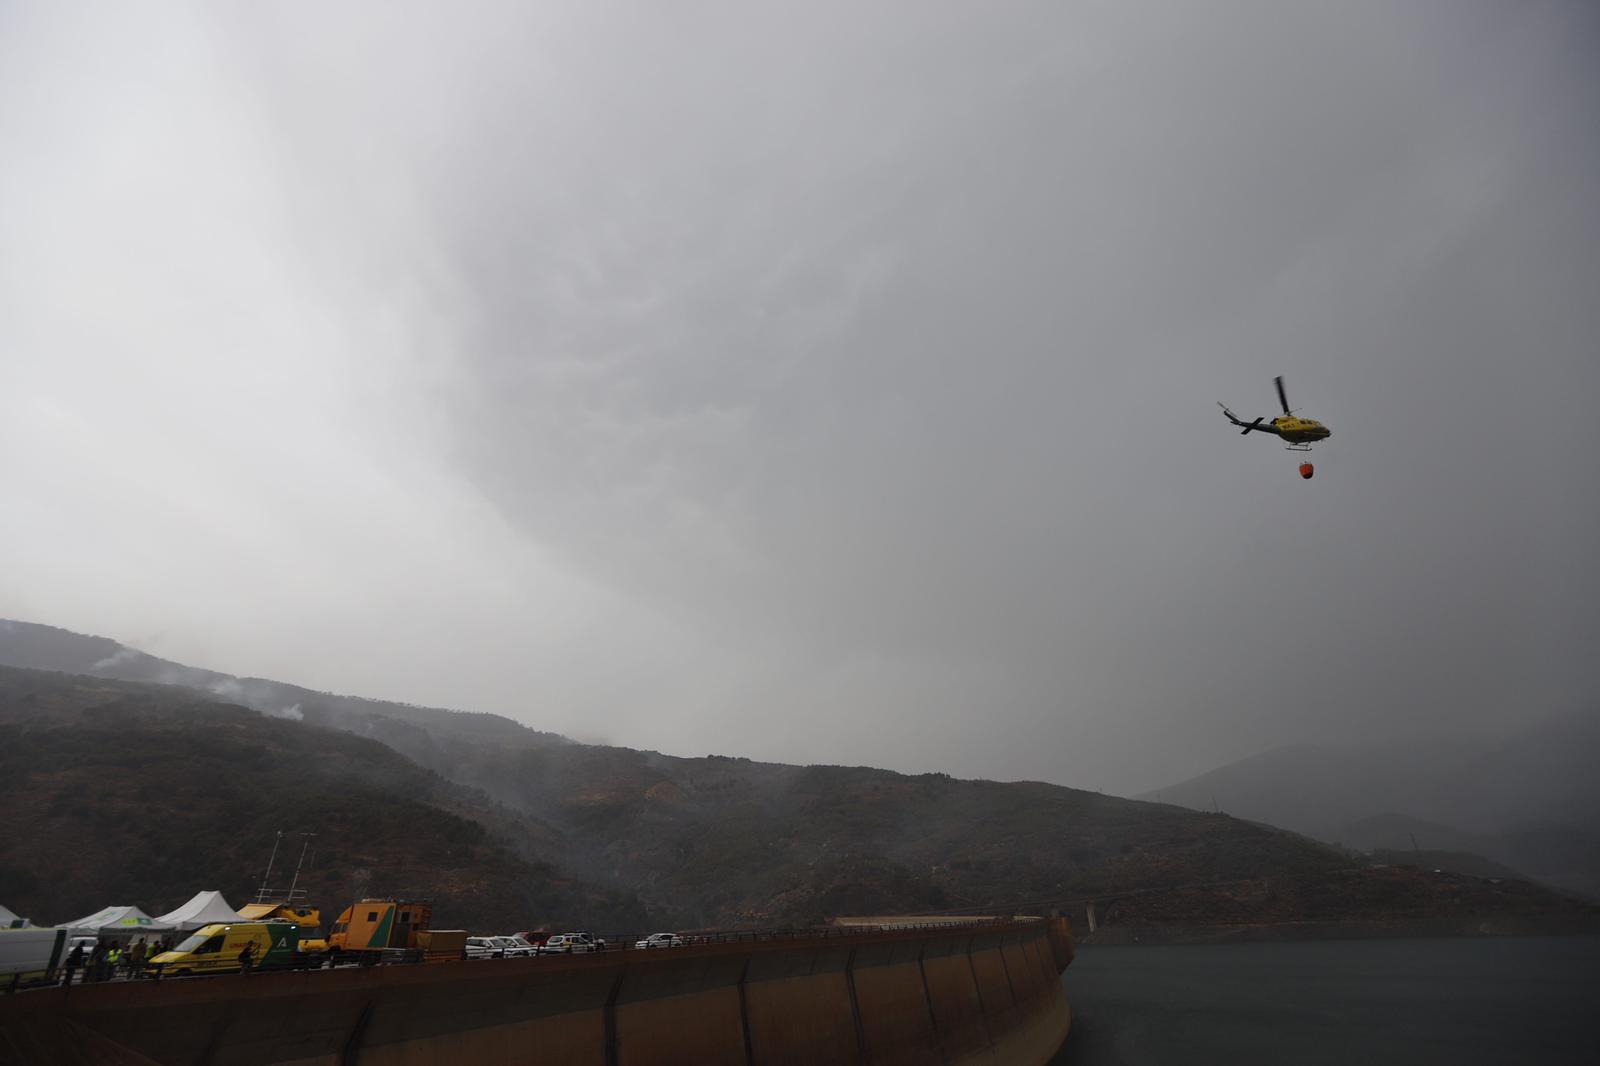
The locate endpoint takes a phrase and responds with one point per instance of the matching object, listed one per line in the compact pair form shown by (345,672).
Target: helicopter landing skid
(1297,447)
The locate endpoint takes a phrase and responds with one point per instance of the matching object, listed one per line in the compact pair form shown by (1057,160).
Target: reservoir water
(1502,1000)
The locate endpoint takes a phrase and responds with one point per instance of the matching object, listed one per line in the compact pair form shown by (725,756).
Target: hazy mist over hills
(141,793)
(820,382)
(1531,800)
(509,826)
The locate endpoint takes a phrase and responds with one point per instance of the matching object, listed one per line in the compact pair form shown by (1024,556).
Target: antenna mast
(304,847)
(267,894)
(261,895)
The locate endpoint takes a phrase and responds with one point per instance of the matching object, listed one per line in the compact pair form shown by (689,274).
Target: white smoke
(292,712)
(120,656)
(227,688)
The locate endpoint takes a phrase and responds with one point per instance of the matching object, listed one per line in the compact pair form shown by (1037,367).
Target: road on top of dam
(1459,1001)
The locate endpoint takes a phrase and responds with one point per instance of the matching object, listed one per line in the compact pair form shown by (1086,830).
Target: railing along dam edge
(946,993)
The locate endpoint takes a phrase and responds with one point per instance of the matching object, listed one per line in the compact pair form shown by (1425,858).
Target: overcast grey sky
(818,381)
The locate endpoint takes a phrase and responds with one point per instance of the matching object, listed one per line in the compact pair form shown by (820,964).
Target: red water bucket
(1306,470)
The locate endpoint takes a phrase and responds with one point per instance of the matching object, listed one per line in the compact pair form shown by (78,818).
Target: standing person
(113,959)
(136,956)
(74,960)
(247,956)
(97,961)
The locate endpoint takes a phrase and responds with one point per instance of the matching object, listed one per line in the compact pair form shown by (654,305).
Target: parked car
(566,944)
(661,940)
(484,947)
(599,945)
(511,947)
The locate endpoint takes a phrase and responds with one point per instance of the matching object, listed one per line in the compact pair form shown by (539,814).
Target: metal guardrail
(614,943)
(628,942)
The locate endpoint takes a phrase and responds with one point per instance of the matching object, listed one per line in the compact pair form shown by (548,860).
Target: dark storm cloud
(835,382)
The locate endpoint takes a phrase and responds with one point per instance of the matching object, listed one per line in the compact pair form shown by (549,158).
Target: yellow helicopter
(1299,433)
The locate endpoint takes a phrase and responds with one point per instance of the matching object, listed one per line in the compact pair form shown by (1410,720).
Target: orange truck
(400,927)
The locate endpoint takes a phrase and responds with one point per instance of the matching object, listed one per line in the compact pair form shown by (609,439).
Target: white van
(31,955)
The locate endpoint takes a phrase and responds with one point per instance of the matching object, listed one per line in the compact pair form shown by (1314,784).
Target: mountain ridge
(114,791)
(725,841)
(1529,799)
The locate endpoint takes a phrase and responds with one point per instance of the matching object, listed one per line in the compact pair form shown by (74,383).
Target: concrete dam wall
(976,994)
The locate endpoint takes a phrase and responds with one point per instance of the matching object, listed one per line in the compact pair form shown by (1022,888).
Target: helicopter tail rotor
(1236,420)
(1283,397)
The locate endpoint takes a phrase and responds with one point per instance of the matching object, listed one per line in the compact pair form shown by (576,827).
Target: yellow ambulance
(216,948)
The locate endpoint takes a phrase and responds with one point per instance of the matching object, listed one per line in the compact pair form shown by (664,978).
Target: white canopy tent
(206,908)
(10,920)
(118,921)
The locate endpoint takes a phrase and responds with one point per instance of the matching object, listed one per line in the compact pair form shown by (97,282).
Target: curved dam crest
(989,993)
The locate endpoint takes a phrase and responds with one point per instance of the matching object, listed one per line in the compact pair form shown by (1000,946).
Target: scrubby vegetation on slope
(119,793)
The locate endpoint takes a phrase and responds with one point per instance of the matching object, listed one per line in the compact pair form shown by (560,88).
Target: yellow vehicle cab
(309,919)
(304,917)
(216,948)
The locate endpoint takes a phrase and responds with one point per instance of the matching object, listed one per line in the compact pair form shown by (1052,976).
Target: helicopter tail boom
(1248,426)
